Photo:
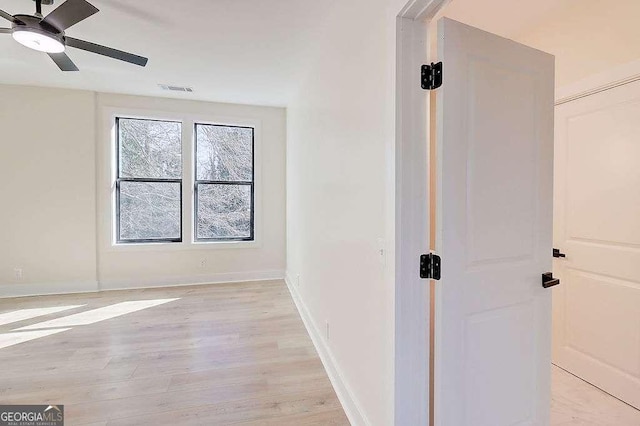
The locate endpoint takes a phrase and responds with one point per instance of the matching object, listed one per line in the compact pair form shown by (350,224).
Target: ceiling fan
(47,34)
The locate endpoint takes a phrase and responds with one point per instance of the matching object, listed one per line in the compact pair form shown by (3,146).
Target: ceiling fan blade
(6,16)
(63,61)
(106,51)
(70,13)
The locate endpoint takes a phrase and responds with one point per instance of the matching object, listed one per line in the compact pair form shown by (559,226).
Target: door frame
(412,297)
(600,82)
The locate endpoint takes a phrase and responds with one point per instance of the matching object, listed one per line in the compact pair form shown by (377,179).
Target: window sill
(186,246)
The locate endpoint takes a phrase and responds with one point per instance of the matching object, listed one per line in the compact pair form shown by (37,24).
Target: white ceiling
(508,18)
(243,51)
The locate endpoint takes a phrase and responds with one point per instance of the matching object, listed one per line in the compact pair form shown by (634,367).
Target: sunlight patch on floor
(97,315)
(25,314)
(10,339)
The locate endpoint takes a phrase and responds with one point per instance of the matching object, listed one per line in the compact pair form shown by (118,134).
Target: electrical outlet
(203,263)
(298,280)
(18,274)
(327,329)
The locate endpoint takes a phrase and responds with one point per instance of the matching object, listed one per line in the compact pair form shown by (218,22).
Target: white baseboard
(219,278)
(41,289)
(345,395)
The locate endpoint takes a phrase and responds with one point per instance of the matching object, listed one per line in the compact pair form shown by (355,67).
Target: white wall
(588,37)
(340,200)
(51,158)
(47,196)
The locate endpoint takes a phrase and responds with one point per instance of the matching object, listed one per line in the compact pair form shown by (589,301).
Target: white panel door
(495,205)
(596,310)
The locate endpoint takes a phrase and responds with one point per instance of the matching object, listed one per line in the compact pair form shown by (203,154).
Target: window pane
(224,153)
(150,149)
(224,211)
(149,211)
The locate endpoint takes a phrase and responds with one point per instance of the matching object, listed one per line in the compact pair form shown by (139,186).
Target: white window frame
(107,178)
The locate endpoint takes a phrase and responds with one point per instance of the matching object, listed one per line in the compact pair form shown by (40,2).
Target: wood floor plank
(256,409)
(324,418)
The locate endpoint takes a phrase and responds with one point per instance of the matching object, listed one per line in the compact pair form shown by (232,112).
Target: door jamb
(412,299)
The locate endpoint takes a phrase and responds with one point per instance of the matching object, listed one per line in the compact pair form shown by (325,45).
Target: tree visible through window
(224,187)
(149,181)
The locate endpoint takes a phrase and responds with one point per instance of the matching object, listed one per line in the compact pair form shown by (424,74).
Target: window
(224,183)
(148,181)
(153,157)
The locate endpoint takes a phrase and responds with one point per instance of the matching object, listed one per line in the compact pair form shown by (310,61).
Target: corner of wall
(346,396)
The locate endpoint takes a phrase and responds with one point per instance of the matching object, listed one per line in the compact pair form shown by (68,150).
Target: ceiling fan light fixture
(37,41)
(48,33)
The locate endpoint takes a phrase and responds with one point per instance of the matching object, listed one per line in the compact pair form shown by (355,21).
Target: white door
(494,233)
(597,226)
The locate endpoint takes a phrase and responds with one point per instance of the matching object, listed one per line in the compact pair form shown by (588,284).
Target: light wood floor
(220,355)
(576,402)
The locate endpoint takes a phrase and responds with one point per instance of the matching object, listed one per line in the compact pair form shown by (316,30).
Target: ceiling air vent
(176,88)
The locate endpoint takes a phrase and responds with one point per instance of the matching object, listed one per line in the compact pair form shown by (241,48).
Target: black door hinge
(431,76)
(430,266)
